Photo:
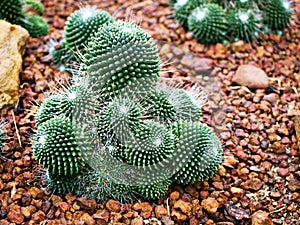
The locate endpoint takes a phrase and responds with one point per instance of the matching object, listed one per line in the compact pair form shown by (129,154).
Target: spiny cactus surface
(208,23)
(82,25)
(61,146)
(243,24)
(122,58)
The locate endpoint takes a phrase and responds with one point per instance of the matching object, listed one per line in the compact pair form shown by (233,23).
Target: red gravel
(259,180)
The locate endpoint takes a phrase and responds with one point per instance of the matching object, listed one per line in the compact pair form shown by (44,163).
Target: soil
(259,179)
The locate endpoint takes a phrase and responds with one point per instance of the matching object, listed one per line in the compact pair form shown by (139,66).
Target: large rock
(251,77)
(13,39)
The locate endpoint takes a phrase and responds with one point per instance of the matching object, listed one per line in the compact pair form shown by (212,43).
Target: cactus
(243,24)
(122,58)
(277,13)
(183,9)
(60,54)
(158,107)
(120,119)
(61,146)
(151,144)
(48,109)
(36,6)
(36,26)
(11,10)
(1,139)
(154,191)
(198,152)
(60,184)
(82,25)
(208,23)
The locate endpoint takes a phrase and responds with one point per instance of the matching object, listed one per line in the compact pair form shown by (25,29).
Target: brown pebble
(113,206)
(210,205)
(261,218)
(283,172)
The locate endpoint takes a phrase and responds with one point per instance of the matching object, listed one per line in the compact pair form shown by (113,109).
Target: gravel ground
(259,180)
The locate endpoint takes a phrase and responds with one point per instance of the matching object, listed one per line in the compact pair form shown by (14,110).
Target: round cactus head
(82,25)
(36,26)
(197,154)
(208,23)
(120,119)
(277,13)
(151,144)
(122,58)
(48,109)
(61,146)
(11,11)
(183,9)
(243,24)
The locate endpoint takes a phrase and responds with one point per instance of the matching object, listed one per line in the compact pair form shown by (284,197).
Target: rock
(251,77)
(15,215)
(160,211)
(238,46)
(101,214)
(137,221)
(297,128)
(113,206)
(210,205)
(283,172)
(185,207)
(88,220)
(254,184)
(237,192)
(13,39)
(261,218)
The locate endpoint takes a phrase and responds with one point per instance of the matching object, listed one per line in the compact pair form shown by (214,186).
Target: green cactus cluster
(12,11)
(212,21)
(118,131)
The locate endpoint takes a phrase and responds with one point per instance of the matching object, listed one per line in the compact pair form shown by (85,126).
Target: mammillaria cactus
(183,9)
(208,23)
(36,26)
(243,24)
(34,5)
(115,132)
(61,146)
(122,58)
(82,25)
(151,144)
(11,10)
(277,13)
(198,152)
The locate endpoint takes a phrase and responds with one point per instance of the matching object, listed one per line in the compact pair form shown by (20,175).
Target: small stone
(283,172)
(209,222)
(261,218)
(15,215)
(38,217)
(113,206)
(254,184)
(264,145)
(272,98)
(239,133)
(174,195)
(238,46)
(137,221)
(218,185)
(210,205)
(160,211)
(251,77)
(87,219)
(275,194)
(179,216)
(185,207)
(26,211)
(237,192)
(101,214)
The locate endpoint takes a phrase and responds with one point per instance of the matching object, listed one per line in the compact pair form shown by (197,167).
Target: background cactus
(243,24)
(208,23)
(11,11)
(206,18)
(277,13)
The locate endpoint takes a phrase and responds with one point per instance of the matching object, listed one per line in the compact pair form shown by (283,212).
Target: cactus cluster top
(119,131)
(212,21)
(12,11)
